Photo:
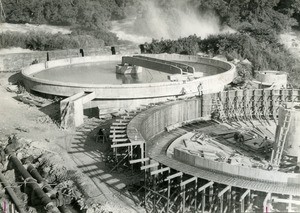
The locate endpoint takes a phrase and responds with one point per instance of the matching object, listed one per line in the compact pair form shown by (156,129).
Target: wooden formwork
(170,190)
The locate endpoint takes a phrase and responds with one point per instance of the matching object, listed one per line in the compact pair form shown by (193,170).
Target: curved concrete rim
(28,71)
(163,139)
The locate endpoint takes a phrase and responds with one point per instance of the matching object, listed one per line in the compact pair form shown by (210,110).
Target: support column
(233,205)
(182,185)
(183,198)
(267,203)
(220,196)
(195,194)
(211,193)
(203,189)
(168,193)
(289,208)
(221,203)
(242,200)
(203,201)
(169,178)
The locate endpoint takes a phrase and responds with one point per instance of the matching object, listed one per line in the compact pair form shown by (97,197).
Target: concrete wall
(71,109)
(17,61)
(278,78)
(241,171)
(157,120)
(154,65)
(167,66)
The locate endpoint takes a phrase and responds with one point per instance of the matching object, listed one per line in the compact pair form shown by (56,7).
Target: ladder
(220,108)
(282,138)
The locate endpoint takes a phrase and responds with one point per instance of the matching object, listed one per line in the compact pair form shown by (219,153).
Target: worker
(200,89)
(239,137)
(264,141)
(101,134)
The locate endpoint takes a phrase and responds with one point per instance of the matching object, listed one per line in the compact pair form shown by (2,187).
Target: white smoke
(170,19)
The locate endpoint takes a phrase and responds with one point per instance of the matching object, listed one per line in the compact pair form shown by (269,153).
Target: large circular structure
(125,92)
(193,170)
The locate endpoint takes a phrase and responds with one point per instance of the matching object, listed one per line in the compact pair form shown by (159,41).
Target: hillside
(257,26)
(233,28)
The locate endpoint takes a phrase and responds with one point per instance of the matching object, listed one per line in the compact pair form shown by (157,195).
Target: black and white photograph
(149,106)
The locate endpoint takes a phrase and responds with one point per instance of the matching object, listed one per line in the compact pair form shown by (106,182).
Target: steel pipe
(20,206)
(32,183)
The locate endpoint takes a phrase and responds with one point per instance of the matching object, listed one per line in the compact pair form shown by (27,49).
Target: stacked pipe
(49,190)
(32,183)
(20,206)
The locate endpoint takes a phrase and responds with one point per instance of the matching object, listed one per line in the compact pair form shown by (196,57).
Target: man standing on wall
(200,89)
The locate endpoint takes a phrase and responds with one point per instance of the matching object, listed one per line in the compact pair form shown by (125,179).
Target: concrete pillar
(221,203)
(142,48)
(289,208)
(203,201)
(81,52)
(113,50)
(211,193)
(242,199)
(233,197)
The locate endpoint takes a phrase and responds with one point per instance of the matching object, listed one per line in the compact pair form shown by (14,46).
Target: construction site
(184,141)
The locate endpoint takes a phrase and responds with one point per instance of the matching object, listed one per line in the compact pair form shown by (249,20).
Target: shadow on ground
(91,155)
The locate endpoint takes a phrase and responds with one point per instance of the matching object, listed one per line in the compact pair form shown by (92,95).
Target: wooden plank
(119,140)
(117,135)
(125,144)
(178,174)
(126,117)
(119,124)
(205,186)
(247,192)
(188,181)
(289,201)
(118,127)
(113,131)
(139,160)
(160,171)
(123,120)
(130,113)
(267,198)
(224,190)
(149,166)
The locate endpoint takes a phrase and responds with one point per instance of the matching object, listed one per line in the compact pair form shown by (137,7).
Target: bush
(107,37)
(47,41)
(264,52)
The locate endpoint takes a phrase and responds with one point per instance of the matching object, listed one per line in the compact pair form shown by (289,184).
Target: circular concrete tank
(292,143)
(270,78)
(129,95)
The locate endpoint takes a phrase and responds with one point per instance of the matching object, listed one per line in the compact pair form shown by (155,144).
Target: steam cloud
(168,19)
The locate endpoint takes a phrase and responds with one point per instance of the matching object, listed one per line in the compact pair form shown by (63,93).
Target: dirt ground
(78,149)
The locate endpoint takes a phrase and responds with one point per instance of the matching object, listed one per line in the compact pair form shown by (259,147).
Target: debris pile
(64,187)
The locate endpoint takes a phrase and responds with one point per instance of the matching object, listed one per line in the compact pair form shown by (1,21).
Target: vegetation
(46,41)
(257,25)
(88,13)
(87,19)
(263,55)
